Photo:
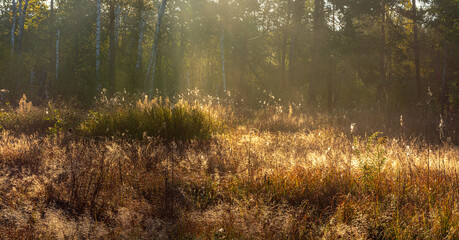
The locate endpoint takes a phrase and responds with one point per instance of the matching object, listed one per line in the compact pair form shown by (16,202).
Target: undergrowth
(295,178)
(30,119)
(153,118)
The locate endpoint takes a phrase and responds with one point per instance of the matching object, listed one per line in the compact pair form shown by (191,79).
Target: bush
(30,119)
(155,118)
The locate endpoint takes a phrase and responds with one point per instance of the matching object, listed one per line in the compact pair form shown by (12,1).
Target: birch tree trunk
(13,26)
(19,12)
(154,50)
(137,42)
(416,52)
(21,24)
(19,8)
(98,30)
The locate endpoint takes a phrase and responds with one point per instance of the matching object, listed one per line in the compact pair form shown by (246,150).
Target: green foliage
(372,160)
(204,194)
(172,122)
(55,118)
(29,119)
(240,185)
(33,121)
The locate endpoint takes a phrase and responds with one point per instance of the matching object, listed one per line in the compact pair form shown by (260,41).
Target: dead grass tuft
(290,177)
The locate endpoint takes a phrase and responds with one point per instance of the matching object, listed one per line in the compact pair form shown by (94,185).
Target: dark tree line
(331,54)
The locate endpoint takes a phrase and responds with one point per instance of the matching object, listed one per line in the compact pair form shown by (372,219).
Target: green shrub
(372,161)
(30,120)
(154,118)
(35,121)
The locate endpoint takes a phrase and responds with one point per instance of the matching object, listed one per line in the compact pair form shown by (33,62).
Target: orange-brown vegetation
(277,175)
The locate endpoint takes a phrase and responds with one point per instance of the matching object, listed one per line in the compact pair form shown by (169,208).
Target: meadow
(199,167)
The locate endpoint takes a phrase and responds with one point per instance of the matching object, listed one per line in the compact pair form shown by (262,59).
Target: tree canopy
(331,54)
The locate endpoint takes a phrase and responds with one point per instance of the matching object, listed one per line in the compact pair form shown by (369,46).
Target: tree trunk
(316,49)
(19,10)
(382,56)
(117,23)
(444,91)
(52,9)
(76,39)
(138,55)
(283,57)
(154,50)
(138,63)
(181,66)
(243,63)
(44,85)
(332,74)
(13,26)
(21,24)
(57,53)
(32,76)
(297,14)
(416,53)
(51,31)
(112,48)
(98,39)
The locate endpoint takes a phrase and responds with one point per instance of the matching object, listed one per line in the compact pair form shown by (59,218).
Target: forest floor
(274,175)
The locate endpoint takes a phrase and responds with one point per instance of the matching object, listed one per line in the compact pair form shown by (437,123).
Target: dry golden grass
(280,175)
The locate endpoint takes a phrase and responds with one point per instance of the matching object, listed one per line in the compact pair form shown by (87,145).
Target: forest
(329,54)
(229,119)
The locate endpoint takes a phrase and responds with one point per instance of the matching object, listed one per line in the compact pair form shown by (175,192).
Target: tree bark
(44,85)
(138,63)
(316,64)
(57,52)
(13,26)
(117,23)
(283,57)
(297,14)
(331,74)
(382,56)
(98,39)
(112,48)
(154,50)
(76,39)
(19,12)
(21,24)
(416,53)
(444,91)
(51,34)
